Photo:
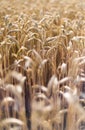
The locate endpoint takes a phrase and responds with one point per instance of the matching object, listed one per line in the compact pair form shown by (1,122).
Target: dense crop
(42,65)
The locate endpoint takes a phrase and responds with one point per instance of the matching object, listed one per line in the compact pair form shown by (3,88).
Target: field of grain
(42,65)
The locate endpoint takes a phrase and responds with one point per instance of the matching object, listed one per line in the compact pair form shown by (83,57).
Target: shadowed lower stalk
(27,103)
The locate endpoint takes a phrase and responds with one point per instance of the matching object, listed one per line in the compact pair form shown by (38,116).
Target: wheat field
(42,65)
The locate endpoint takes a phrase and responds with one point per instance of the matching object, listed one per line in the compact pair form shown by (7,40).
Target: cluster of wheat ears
(42,65)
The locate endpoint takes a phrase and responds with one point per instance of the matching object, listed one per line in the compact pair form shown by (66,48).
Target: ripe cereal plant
(42,65)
